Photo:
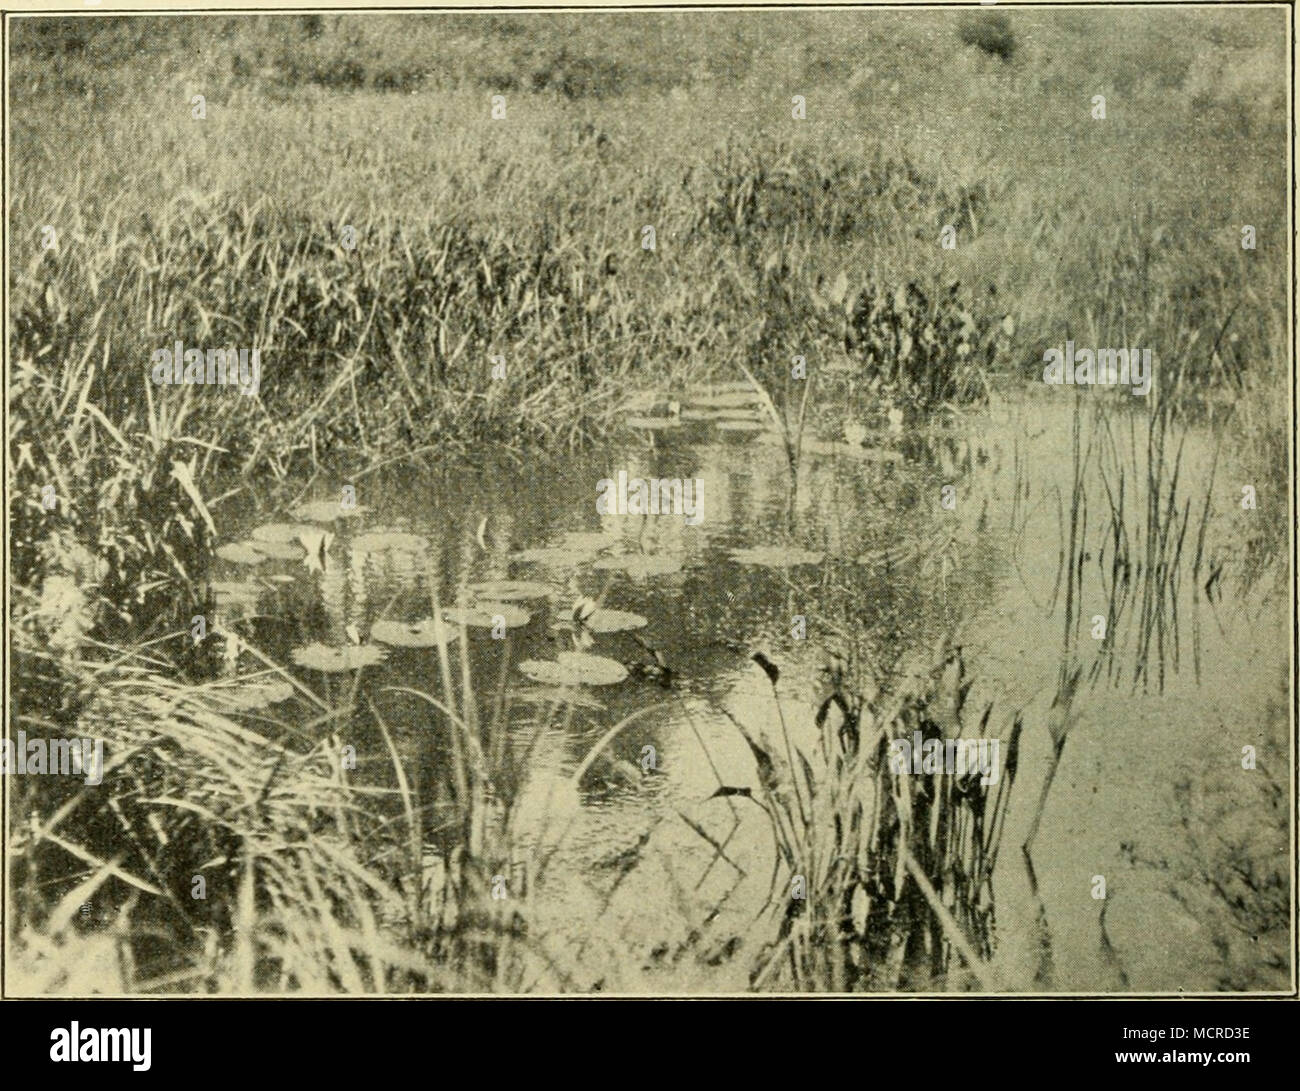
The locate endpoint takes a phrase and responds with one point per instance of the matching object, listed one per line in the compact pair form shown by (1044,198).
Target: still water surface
(632,896)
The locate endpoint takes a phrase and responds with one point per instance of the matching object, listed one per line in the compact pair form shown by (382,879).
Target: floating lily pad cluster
(580,549)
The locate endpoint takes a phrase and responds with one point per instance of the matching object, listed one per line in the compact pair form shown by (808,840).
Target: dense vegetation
(347,204)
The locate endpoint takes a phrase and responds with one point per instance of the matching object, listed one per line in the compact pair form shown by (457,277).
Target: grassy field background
(520,239)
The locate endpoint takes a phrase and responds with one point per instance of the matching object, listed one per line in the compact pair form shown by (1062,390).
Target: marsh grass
(521,242)
(226,853)
(896,867)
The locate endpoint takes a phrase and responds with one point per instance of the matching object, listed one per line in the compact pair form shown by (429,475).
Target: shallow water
(633,897)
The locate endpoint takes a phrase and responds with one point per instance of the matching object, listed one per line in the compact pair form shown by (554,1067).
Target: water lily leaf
(279,551)
(241,553)
(484,615)
(231,592)
(652,424)
(283,533)
(317,543)
(726,399)
(594,670)
(389,541)
(575,669)
(350,657)
(513,590)
(613,621)
(776,556)
(554,556)
(254,695)
(326,511)
(640,564)
(419,634)
(592,540)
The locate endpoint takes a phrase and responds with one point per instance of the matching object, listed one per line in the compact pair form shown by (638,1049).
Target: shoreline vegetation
(418,280)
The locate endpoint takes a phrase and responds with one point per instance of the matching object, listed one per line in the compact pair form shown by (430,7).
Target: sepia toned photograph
(667,502)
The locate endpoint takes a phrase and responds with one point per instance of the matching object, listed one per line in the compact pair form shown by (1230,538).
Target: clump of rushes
(897,866)
(230,852)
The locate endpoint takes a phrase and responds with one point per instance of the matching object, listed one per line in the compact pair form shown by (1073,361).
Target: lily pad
(640,565)
(513,590)
(391,541)
(255,695)
(279,551)
(326,511)
(236,592)
(241,553)
(554,556)
(575,669)
(729,399)
(776,556)
(350,657)
(652,424)
(614,621)
(419,634)
(484,615)
(592,540)
(283,533)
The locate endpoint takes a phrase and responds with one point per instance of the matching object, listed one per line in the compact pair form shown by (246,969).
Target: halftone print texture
(663,502)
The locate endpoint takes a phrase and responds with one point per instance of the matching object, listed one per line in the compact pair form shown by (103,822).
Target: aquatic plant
(348,657)
(575,669)
(419,634)
(895,864)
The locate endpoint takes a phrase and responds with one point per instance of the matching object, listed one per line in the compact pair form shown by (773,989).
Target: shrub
(991,32)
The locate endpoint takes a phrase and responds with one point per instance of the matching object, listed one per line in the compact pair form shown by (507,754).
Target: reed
(896,867)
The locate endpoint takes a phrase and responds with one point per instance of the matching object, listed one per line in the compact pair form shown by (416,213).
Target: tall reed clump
(476,846)
(224,851)
(883,875)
